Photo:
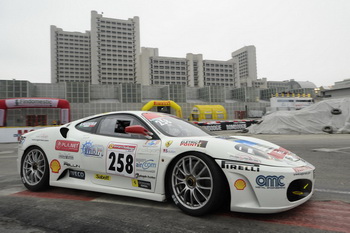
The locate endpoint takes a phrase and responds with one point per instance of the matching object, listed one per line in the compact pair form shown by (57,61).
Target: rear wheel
(195,183)
(35,170)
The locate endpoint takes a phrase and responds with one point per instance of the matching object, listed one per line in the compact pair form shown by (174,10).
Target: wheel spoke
(197,199)
(203,169)
(182,171)
(194,167)
(203,187)
(204,178)
(191,197)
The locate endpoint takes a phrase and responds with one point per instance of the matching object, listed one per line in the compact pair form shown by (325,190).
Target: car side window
(114,125)
(88,126)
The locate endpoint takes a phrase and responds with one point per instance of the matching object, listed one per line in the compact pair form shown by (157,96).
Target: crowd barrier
(226,125)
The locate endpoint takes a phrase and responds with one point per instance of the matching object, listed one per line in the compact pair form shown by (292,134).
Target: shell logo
(240,184)
(55,166)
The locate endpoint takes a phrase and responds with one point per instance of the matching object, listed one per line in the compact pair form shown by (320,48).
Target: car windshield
(173,126)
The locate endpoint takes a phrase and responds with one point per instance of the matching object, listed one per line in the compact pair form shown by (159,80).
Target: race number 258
(120,164)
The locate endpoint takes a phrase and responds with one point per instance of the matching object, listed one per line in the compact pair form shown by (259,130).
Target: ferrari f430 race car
(157,156)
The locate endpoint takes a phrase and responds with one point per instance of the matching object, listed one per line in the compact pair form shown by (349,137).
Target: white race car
(157,156)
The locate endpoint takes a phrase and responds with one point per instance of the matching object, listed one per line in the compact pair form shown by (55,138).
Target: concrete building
(340,89)
(191,71)
(107,54)
(246,65)
(70,56)
(110,53)
(115,49)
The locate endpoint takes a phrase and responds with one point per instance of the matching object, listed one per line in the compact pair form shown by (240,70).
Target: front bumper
(267,189)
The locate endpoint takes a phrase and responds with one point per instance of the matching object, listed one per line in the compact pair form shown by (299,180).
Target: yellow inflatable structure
(208,112)
(170,103)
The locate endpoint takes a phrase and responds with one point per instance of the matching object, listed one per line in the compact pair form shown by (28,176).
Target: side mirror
(140,130)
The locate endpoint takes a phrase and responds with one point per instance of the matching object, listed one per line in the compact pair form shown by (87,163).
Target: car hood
(251,150)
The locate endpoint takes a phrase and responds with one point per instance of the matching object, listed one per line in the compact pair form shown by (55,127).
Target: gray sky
(305,40)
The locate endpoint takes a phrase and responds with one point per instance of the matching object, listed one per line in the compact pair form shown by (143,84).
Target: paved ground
(64,210)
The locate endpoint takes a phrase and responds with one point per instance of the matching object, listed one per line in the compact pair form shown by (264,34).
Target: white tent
(328,116)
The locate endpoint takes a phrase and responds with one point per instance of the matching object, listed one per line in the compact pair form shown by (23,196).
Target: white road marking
(332,191)
(139,204)
(9,191)
(8,157)
(6,152)
(332,149)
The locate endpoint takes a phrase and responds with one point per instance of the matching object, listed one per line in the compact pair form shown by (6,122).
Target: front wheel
(35,169)
(195,183)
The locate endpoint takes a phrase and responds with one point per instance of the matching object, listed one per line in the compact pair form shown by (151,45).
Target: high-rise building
(70,56)
(108,54)
(115,49)
(246,65)
(191,71)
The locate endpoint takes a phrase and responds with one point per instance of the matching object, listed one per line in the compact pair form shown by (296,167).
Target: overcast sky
(305,40)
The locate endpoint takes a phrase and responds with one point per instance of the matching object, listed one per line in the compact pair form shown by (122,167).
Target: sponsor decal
(240,184)
(70,165)
(258,149)
(20,103)
(41,138)
(270,182)
(149,150)
(122,147)
(213,127)
(88,124)
(302,169)
(102,177)
(236,126)
(245,158)
(146,165)
(137,175)
(153,115)
(91,150)
(121,159)
(77,174)
(171,151)
(64,145)
(279,153)
(150,143)
(55,166)
(302,173)
(162,121)
(66,156)
(161,103)
(195,143)
(241,167)
(141,184)
(168,143)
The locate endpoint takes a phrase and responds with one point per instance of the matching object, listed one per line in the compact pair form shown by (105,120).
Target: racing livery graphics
(160,157)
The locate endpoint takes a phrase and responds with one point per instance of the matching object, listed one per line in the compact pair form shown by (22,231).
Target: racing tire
(328,129)
(35,169)
(336,111)
(196,184)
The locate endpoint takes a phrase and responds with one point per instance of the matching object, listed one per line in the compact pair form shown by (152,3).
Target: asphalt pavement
(66,210)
